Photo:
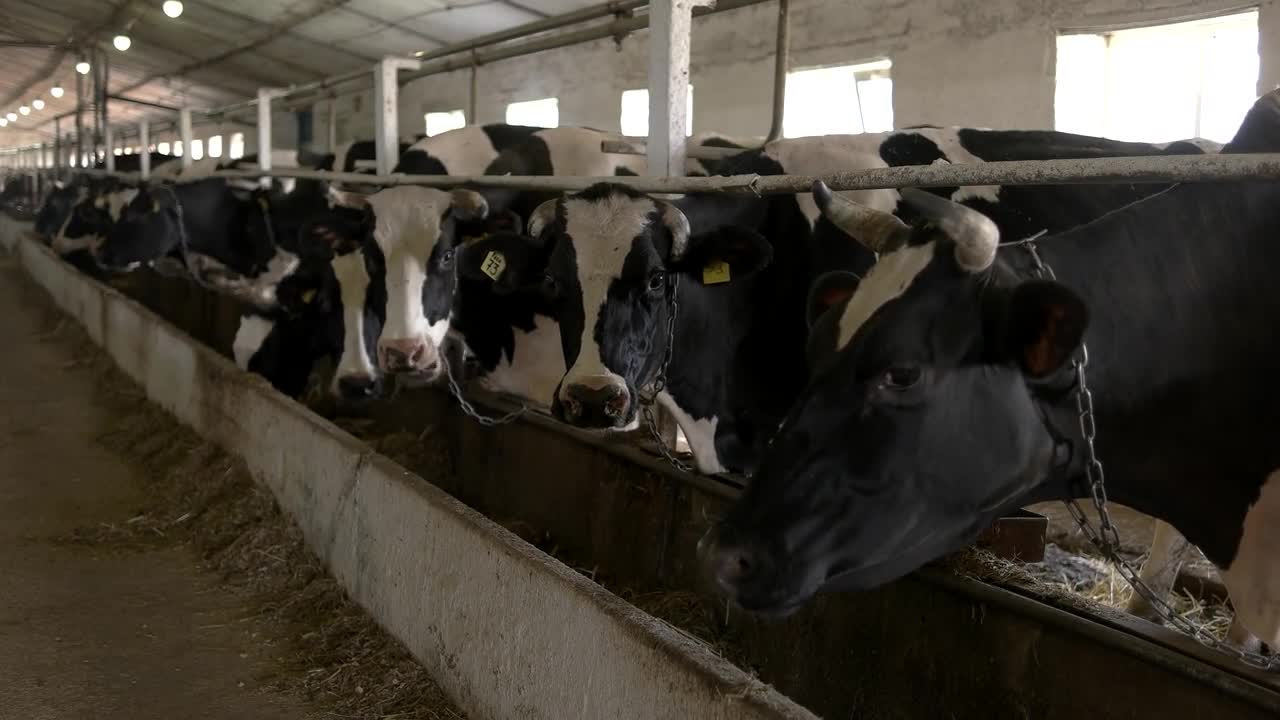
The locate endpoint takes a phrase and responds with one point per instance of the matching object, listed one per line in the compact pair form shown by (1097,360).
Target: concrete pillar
(670,22)
(184,130)
(144,139)
(386,108)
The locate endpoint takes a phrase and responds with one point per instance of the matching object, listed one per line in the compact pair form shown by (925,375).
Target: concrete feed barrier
(507,630)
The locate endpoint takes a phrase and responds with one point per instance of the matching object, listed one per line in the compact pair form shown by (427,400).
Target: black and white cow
(953,398)
(610,258)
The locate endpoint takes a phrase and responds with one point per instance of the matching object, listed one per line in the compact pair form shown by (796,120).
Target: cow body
(953,397)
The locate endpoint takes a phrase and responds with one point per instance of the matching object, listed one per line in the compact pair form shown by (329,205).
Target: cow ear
(828,291)
(469,204)
(725,254)
(504,260)
(1045,324)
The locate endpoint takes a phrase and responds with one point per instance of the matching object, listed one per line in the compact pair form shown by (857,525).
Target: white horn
(542,216)
(678,224)
(976,235)
(878,231)
(469,204)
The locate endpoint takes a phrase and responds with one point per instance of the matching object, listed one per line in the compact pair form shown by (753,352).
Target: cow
(954,395)
(737,361)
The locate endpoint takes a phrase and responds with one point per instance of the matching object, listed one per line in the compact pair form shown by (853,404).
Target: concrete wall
(955,62)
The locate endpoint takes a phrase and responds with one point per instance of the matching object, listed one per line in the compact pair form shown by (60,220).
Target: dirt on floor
(198,501)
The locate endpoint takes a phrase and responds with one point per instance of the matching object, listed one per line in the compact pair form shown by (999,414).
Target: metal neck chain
(456,390)
(649,397)
(1105,537)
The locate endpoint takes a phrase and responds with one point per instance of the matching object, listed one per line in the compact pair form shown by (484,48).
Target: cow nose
(358,387)
(603,407)
(402,355)
(734,565)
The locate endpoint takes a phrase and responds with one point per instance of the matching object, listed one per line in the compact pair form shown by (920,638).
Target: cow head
(608,259)
(339,290)
(410,234)
(147,229)
(57,209)
(922,429)
(91,220)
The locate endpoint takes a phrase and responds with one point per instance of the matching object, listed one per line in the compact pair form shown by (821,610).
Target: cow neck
(1181,293)
(213,221)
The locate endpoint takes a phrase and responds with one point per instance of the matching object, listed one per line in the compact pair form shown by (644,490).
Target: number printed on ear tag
(493,265)
(715,272)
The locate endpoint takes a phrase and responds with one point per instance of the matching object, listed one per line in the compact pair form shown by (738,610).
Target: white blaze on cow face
(1252,580)
(888,278)
(250,335)
(353,281)
(406,229)
(602,232)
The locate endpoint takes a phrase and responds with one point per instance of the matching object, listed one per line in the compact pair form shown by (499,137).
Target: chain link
(647,399)
(1105,537)
(456,390)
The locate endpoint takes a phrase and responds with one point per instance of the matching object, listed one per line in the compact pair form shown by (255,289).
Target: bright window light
(163,148)
(634,118)
(536,113)
(438,122)
(117,151)
(215,147)
(1161,83)
(197,149)
(236,151)
(848,99)
(177,148)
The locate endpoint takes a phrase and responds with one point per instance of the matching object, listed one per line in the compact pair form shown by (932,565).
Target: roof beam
(294,34)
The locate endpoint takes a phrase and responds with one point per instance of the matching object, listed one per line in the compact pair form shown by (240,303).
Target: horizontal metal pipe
(697,152)
(145,103)
(1093,171)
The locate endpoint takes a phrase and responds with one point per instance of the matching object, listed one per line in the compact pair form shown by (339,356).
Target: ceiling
(221,51)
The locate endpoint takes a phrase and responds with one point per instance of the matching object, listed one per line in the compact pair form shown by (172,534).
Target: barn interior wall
(986,63)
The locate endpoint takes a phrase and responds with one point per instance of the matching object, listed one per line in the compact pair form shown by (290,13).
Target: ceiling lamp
(122,42)
(37,104)
(82,67)
(24,110)
(4,121)
(56,91)
(172,8)
(13,117)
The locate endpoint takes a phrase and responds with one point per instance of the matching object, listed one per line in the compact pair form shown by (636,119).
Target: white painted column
(265,96)
(144,139)
(109,141)
(184,132)
(669,26)
(333,127)
(386,106)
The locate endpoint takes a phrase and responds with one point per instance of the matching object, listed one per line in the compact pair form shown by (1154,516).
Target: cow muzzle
(359,388)
(416,357)
(746,572)
(601,403)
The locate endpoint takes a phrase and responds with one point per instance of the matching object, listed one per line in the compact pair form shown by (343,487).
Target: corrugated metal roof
(221,51)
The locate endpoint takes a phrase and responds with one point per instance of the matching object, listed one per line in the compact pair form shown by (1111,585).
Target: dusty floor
(92,632)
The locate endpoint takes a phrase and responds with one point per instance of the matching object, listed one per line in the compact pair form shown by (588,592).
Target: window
(438,122)
(117,151)
(163,148)
(839,100)
(177,148)
(236,151)
(537,113)
(128,150)
(214,149)
(634,118)
(1158,84)
(197,149)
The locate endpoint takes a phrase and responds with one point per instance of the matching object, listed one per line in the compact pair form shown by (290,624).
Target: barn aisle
(89,631)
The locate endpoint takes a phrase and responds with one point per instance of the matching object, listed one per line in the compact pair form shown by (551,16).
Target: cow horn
(678,224)
(976,235)
(542,216)
(342,198)
(469,204)
(878,231)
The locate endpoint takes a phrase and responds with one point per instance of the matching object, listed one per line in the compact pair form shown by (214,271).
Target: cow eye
(901,377)
(657,281)
(446,258)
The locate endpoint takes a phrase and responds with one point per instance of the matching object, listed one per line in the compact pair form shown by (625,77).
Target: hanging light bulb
(13,117)
(82,67)
(4,121)
(122,42)
(37,104)
(24,110)
(172,8)
(56,91)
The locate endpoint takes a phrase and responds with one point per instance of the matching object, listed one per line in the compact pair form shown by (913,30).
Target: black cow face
(148,229)
(57,209)
(925,425)
(608,259)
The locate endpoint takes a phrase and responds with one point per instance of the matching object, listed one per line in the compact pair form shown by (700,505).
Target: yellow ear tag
(715,272)
(262,203)
(308,296)
(493,265)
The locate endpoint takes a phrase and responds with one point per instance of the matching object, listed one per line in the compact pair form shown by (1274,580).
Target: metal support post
(780,63)
(264,130)
(78,158)
(386,105)
(144,139)
(669,25)
(108,144)
(333,125)
(184,129)
(471,99)
(57,148)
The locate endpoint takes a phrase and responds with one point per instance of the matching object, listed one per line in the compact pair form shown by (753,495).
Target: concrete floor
(88,633)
